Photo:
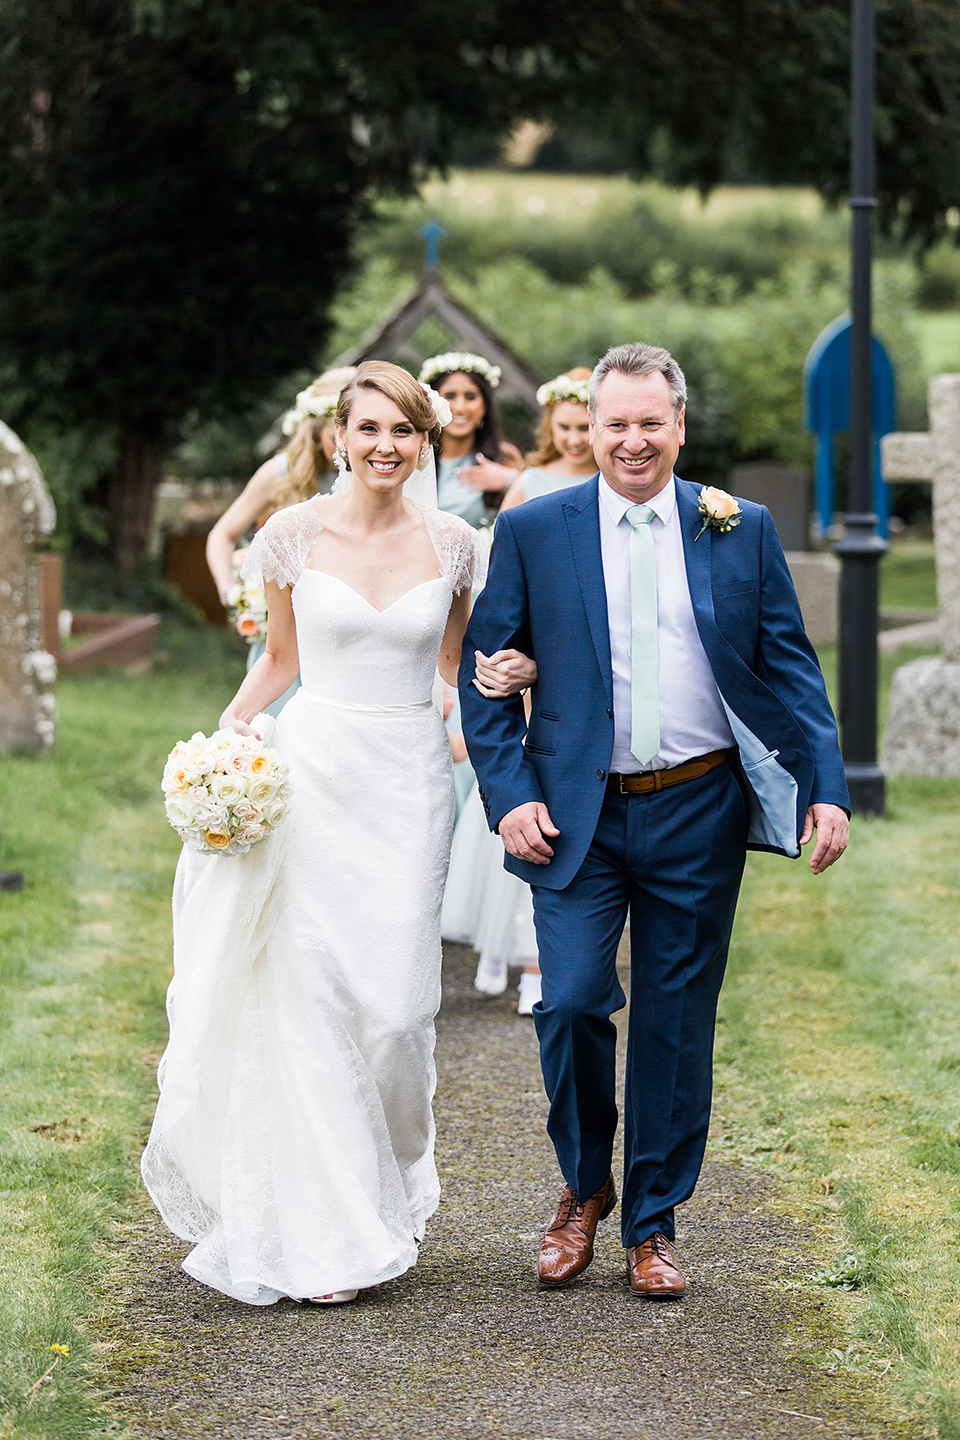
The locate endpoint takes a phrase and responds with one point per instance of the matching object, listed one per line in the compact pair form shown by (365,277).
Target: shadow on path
(466,1345)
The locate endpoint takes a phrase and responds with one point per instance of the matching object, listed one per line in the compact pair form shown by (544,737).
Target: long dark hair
(489,437)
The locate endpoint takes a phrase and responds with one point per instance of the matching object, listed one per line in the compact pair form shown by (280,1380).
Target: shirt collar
(616,506)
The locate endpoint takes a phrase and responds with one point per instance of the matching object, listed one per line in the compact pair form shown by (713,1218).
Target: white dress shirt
(692,718)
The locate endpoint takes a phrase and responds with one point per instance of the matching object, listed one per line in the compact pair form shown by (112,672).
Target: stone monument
(923,722)
(27,669)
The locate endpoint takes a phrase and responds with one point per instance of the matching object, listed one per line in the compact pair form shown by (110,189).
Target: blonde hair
(546,451)
(399,386)
(306,460)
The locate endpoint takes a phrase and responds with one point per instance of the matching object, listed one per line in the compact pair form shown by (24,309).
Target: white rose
(227,789)
(273,813)
(263,789)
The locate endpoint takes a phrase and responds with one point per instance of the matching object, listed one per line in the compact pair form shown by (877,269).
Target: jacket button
(609,713)
(601,775)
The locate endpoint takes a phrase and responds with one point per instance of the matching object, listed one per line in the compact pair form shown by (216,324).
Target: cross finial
(433,232)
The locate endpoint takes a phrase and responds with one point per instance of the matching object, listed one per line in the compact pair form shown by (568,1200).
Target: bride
(293,1139)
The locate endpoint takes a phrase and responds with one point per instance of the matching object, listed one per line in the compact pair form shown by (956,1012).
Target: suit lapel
(698,555)
(582,514)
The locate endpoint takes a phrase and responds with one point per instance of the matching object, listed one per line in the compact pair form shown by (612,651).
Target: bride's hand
(229,721)
(506,673)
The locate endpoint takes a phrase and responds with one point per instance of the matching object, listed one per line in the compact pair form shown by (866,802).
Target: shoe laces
(568,1209)
(660,1245)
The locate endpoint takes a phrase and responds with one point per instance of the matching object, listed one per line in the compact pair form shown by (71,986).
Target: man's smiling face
(636,434)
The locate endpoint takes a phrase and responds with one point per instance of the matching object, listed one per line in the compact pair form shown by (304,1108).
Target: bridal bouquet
(225,794)
(247,604)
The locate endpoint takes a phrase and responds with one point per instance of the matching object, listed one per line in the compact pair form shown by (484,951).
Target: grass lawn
(838,1048)
(84,960)
(939,341)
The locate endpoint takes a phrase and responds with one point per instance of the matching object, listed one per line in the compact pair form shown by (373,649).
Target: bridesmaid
(485,906)
(476,464)
(563,456)
(303,468)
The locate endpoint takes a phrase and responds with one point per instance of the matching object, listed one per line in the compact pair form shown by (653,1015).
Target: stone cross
(935,455)
(923,721)
(27,670)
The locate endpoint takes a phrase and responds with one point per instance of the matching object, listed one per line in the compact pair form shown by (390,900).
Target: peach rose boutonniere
(719,510)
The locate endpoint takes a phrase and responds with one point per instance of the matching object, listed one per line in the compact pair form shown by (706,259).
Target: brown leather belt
(650,780)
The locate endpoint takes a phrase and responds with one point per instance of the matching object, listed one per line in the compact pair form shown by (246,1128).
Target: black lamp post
(860,549)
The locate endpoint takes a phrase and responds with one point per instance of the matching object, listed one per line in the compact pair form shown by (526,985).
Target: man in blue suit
(679,718)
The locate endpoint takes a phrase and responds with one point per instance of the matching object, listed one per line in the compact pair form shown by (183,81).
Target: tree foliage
(180,179)
(179,183)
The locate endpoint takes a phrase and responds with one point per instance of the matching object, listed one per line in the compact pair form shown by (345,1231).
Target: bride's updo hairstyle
(399,386)
(546,450)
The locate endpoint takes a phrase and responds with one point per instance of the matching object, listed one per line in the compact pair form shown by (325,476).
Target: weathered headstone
(923,722)
(27,669)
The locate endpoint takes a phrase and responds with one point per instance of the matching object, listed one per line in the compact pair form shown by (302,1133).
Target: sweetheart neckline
(370,606)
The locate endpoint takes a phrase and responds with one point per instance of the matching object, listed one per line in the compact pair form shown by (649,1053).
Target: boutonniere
(719,510)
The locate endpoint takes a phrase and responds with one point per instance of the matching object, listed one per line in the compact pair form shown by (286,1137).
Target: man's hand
(503,673)
(522,831)
(833,835)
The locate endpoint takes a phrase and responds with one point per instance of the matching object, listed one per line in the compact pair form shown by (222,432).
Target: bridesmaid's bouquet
(247,604)
(224,795)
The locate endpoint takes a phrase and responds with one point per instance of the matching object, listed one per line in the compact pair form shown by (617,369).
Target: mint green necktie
(644,648)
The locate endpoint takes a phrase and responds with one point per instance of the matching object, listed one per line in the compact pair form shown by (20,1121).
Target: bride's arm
(276,669)
(448,661)
(505,673)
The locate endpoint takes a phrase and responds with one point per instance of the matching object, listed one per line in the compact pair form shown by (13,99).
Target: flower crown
(563,388)
(460,360)
(309,406)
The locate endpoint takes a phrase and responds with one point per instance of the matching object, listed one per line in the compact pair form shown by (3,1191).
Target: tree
(690,86)
(179,183)
(180,179)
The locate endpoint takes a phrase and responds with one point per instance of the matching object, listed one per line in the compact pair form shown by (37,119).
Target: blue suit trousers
(675,858)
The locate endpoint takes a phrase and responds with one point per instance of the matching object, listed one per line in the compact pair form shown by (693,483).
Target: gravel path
(466,1345)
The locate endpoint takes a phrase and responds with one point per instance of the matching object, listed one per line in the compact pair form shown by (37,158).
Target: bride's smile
(381,445)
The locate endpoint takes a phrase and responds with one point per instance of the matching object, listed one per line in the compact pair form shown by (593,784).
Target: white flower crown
(563,388)
(460,360)
(309,406)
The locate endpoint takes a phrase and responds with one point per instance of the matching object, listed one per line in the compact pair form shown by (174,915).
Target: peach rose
(247,626)
(260,765)
(217,839)
(717,503)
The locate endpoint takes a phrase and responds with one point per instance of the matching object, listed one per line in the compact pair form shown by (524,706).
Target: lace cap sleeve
(461,551)
(282,546)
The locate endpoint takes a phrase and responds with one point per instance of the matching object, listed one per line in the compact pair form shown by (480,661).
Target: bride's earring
(340,455)
(424,455)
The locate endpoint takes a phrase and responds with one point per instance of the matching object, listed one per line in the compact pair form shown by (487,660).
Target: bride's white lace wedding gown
(293,1139)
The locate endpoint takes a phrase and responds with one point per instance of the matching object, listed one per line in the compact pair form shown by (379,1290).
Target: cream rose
(227,789)
(264,789)
(717,503)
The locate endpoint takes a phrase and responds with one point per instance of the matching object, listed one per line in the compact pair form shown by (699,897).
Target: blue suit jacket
(545,595)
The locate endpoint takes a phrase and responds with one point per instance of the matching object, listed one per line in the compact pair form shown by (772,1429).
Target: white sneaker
(529,993)
(339,1297)
(491,976)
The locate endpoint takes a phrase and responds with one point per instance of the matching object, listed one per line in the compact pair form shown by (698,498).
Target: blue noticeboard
(826,388)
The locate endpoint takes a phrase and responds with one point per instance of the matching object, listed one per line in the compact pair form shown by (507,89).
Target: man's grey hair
(639,359)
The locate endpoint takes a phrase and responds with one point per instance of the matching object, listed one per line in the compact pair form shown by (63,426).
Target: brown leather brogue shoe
(654,1272)
(567,1248)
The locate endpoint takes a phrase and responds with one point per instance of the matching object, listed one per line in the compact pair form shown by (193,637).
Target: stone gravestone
(923,721)
(27,670)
